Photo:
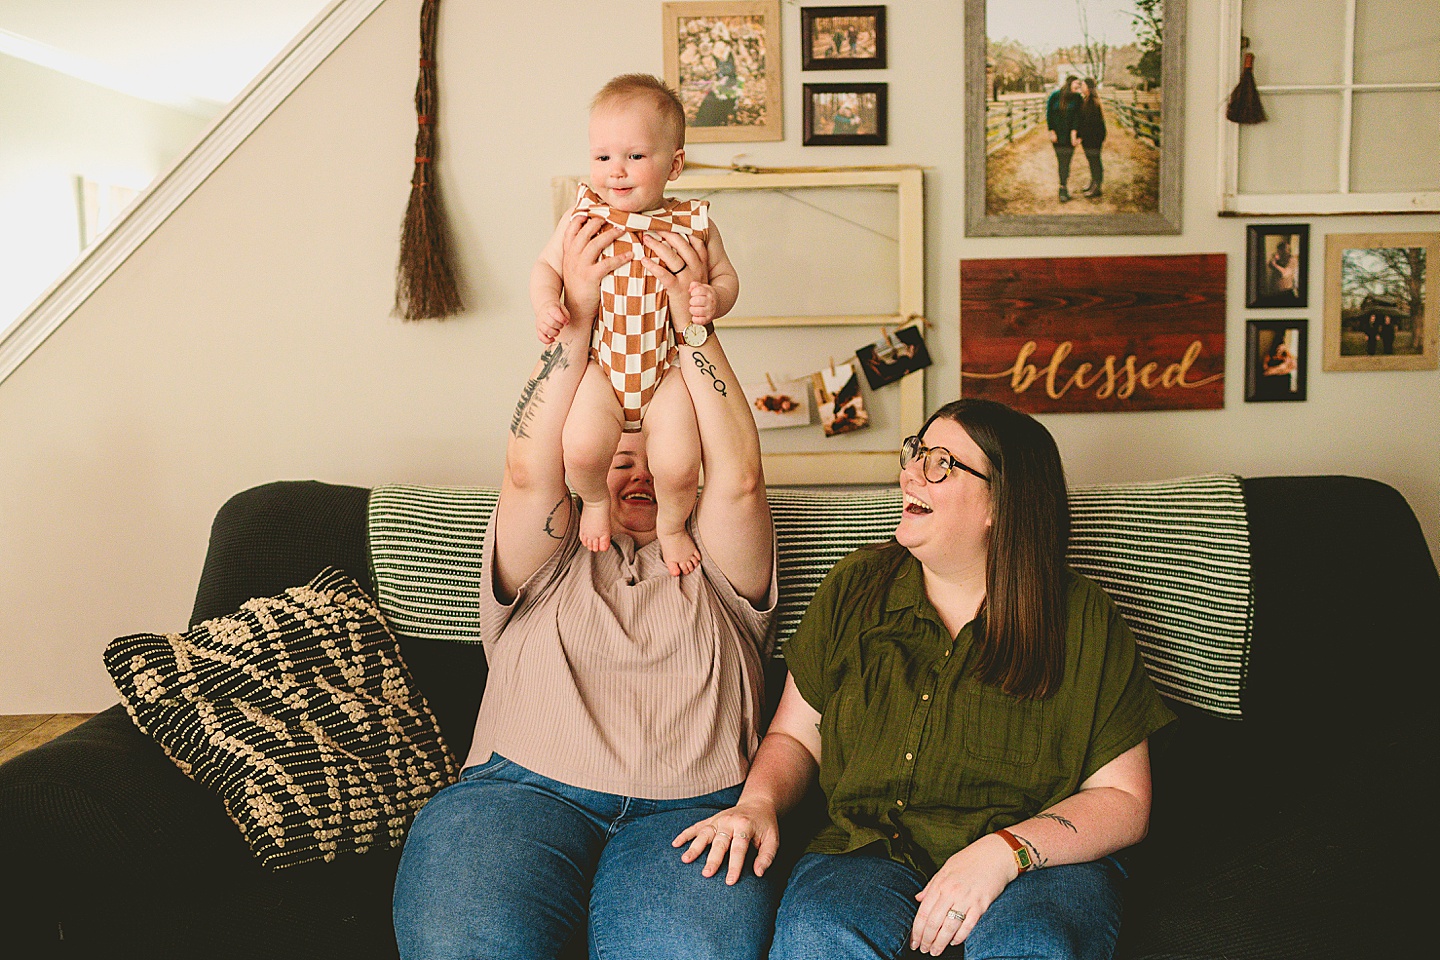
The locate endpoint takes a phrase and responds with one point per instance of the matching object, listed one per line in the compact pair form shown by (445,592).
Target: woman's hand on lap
(967,883)
(732,833)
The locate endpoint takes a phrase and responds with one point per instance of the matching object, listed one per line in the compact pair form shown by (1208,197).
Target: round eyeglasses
(936,463)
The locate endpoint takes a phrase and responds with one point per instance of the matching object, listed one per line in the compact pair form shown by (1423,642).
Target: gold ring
(952,912)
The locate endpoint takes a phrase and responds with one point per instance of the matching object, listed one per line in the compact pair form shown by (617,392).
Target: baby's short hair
(658,93)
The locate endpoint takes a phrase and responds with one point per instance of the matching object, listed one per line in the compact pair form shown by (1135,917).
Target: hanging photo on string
(837,395)
(890,358)
(778,403)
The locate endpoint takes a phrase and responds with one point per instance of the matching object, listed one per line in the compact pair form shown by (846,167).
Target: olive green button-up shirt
(919,755)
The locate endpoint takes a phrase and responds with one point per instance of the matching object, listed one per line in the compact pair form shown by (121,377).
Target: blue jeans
(507,863)
(860,907)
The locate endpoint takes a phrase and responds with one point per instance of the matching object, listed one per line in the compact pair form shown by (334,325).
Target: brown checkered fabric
(633,340)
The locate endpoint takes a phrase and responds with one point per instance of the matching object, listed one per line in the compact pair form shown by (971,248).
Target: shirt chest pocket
(1000,728)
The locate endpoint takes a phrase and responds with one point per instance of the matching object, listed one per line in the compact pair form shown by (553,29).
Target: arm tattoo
(1035,856)
(708,368)
(532,394)
(1058,819)
(549,521)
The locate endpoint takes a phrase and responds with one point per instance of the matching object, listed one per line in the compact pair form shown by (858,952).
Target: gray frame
(978,223)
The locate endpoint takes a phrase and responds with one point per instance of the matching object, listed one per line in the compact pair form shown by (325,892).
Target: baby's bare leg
(672,445)
(591,432)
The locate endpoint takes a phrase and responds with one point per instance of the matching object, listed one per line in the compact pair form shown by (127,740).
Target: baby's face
(632,155)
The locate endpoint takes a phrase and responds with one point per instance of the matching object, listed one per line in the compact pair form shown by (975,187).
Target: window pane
(1295,42)
(1397,41)
(1395,136)
(1296,150)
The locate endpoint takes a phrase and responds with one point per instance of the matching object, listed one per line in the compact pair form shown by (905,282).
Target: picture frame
(842,38)
(840,463)
(1276,360)
(724,60)
(1277,265)
(862,108)
(1382,301)
(1017,56)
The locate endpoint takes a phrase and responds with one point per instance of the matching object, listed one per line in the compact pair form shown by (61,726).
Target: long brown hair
(1021,640)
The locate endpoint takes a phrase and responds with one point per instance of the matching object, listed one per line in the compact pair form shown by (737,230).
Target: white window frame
(1343,200)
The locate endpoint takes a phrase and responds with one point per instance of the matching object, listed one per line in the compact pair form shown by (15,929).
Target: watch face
(696,335)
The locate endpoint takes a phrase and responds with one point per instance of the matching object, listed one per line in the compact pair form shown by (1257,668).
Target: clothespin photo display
(894,355)
(837,396)
(778,403)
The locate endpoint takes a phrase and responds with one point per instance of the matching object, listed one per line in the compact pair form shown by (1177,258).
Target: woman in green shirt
(978,715)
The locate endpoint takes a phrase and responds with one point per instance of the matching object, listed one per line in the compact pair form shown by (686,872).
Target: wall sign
(1086,334)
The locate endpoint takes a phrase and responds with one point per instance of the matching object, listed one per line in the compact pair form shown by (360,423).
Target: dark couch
(1300,831)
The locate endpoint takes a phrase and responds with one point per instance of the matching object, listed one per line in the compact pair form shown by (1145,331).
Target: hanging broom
(1245,106)
(425,287)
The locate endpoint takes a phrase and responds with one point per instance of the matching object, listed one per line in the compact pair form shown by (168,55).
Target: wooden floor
(26,731)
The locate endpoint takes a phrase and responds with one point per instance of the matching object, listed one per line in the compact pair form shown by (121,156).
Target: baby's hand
(703,302)
(549,320)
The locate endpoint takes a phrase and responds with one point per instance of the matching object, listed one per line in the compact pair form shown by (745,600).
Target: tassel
(1245,106)
(425,286)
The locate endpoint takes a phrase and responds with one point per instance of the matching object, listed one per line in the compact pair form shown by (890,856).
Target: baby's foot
(678,551)
(595,525)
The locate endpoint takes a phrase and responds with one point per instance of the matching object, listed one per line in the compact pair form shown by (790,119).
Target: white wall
(249,339)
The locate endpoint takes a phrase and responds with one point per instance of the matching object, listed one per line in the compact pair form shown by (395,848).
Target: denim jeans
(506,863)
(860,907)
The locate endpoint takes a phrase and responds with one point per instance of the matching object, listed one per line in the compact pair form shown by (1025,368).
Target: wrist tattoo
(550,520)
(1035,856)
(1058,819)
(532,394)
(708,368)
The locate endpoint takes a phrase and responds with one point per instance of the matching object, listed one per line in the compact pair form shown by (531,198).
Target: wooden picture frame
(1277,265)
(862,107)
(842,38)
(1012,170)
(723,58)
(845,466)
(1382,301)
(1276,360)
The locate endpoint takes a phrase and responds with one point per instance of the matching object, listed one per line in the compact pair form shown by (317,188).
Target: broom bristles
(425,278)
(1245,106)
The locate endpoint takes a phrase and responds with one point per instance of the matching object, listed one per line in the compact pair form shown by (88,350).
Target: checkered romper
(633,340)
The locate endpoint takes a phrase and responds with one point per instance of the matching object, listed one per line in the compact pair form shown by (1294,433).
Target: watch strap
(1022,852)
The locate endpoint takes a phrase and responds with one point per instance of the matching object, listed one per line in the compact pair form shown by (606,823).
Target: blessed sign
(1073,334)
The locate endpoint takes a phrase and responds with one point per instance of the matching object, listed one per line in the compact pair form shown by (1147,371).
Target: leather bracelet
(1022,853)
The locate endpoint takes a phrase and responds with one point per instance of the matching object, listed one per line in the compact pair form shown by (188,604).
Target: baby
(637,146)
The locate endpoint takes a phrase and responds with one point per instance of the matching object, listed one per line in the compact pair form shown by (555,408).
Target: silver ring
(721,833)
(956,914)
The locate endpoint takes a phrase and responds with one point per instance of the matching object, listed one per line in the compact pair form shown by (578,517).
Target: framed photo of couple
(1277,265)
(1074,117)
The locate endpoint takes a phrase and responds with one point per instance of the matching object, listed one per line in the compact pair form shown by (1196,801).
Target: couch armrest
(100,815)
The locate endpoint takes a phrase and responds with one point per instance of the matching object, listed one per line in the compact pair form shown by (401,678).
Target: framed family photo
(1073,112)
(1277,265)
(723,58)
(1275,360)
(1381,299)
(842,38)
(845,114)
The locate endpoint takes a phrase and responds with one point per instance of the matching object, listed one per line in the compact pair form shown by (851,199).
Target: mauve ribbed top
(609,674)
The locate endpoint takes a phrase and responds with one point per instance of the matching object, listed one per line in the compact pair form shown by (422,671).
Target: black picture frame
(812,19)
(821,110)
(1276,357)
(1268,284)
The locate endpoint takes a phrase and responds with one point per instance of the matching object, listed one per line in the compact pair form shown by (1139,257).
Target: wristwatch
(1022,854)
(697,333)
